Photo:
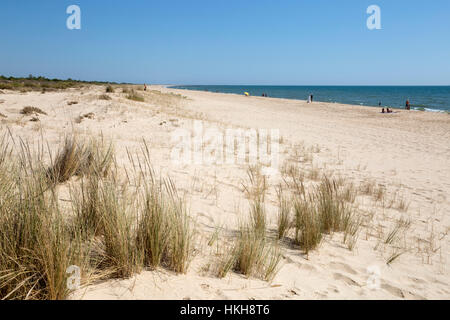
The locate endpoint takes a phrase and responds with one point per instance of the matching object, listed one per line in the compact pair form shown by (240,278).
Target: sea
(424,98)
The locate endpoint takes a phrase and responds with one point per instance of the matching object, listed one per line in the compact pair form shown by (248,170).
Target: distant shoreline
(334,94)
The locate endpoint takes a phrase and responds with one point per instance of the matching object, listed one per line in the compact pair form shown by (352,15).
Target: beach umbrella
(247,94)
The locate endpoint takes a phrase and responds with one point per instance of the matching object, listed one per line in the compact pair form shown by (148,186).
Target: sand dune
(408,153)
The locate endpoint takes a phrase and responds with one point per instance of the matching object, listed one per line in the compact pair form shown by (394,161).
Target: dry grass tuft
(401,226)
(133,95)
(109,231)
(284,215)
(165,233)
(32,110)
(324,210)
(35,243)
(252,253)
(308,233)
(105,97)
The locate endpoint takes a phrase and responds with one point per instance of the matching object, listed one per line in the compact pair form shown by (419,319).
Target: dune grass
(35,242)
(308,232)
(324,210)
(133,95)
(32,110)
(104,97)
(284,214)
(164,232)
(251,255)
(107,231)
(42,84)
(252,252)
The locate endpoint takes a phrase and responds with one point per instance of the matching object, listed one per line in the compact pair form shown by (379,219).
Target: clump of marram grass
(86,206)
(251,255)
(401,226)
(258,217)
(35,243)
(133,95)
(32,110)
(256,190)
(86,198)
(67,161)
(284,215)
(121,252)
(333,211)
(324,210)
(307,223)
(102,234)
(226,260)
(149,229)
(78,158)
(104,97)
(109,89)
(257,185)
(348,192)
(164,232)
(181,238)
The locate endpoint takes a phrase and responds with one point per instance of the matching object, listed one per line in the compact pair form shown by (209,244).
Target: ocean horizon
(426,98)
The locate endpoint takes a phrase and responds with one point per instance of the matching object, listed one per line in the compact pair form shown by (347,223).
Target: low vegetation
(253,252)
(104,97)
(41,84)
(111,230)
(32,110)
(133,95)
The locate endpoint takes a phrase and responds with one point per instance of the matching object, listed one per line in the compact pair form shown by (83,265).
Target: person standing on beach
(309,99)
(312,98)
(408,106)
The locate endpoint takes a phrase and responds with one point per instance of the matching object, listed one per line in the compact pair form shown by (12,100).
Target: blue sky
(276,42)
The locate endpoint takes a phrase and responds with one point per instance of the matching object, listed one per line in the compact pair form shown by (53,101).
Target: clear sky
(275,42)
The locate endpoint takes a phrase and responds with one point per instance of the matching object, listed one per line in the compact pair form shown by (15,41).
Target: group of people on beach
(310,98)
(388,110)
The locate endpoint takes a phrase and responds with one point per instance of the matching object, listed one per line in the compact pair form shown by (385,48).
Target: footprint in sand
(393,290)
(343,267)
(308,267)
(333,289)
(347,280)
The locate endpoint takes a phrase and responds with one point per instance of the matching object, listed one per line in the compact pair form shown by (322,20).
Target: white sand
(408,152)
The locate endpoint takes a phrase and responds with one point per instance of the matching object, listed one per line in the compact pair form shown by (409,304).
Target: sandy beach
(407,154)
